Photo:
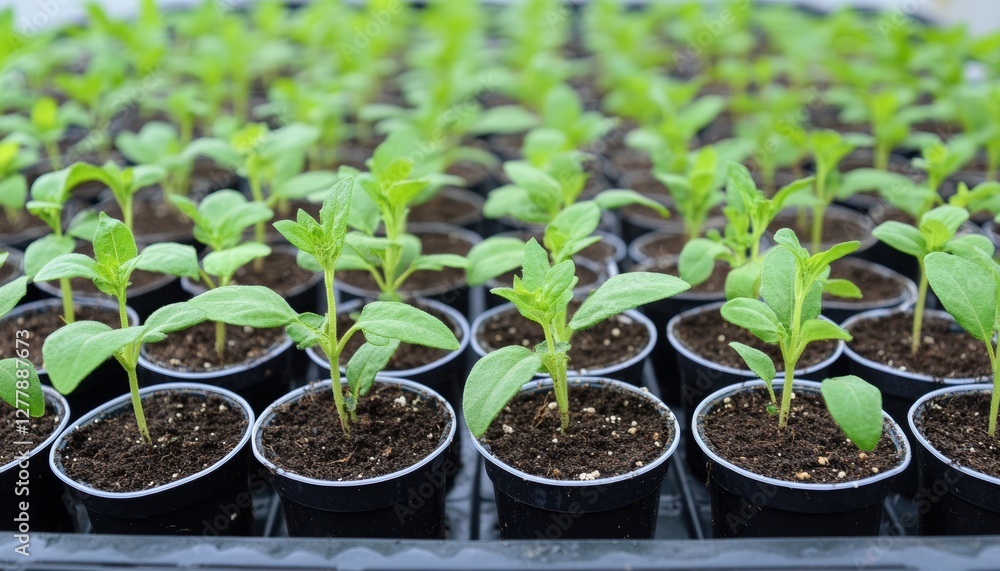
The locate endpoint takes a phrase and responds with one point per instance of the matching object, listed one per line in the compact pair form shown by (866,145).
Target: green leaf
(437,262)
(114,244)
(697,259)
(842,288)
(493,381)
(367,362)
(743,281)
(73,351)
(824,259)
(11,293)
(44,250)
(173,317)
(20,391)
(617,198)
(821,329)
(409,324)
(625,291)
(856,407)
(757,361)
(535,265)
(777,284)
(493,257)
(902,237)
(248,306)
(967,290)
(302,185)
(225,263)
(169,258)
(68,266)
(753,315)
(297,234)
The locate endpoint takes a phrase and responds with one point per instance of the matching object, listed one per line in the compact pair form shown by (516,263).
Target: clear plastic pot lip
(545,384)
(917,409)
(52,397)
(327,384)
(126,400)
(717,396)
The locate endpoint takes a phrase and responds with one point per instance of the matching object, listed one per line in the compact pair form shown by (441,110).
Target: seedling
(318,105)
(124,183)
(19,384)
(95,88)
(788,315)
(220,221)
(980,118)
(968,289)
(697,190)
(385,324)
(748,214)
(185,106)
(940,160)
(45,126)
(542,294)
(828,149)
(159,145)
(13,186)
(935,232)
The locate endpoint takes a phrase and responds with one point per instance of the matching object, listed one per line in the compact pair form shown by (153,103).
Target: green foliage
(13,186)
(19,384)
(828,149)
(159,145)
(44,127)
(542,294)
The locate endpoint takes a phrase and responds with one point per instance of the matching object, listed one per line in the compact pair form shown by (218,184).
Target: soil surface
(664,245)
(874,286)
(709,335)
(447,208)
(946,350)
(41,324)
(193,350)
(957,428)
(611,433)
(190,433)
(151,216)
(406,356)
(23,221)
(394,429)
(38,430)
(612,341)
(716,283)
(281,273)
(835,230)
(812,449)
(433,243)
(9,271)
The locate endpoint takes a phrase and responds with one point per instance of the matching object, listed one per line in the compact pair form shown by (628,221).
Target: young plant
(19,384)
(220,221)
(13,186)
(97,89)
(75,350)
(748,214)
(124,183)
(828,149)
(385,324)
(542,294)
(935,232)
(941,160)
(45,127)
(159,145)
(788,315)
(968,289)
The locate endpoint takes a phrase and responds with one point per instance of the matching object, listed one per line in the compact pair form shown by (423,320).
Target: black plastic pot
(699,377)
(745,504)
(635,224)
(452,294)
(841,214)
(953,499)
(472,220)
(408,504)
(840,309)
(106,382)
(260,382)
(900,389)
(29,480)
(620,507)
(600,270)
(628,371)
(445,375)
(149,197)
(214,501)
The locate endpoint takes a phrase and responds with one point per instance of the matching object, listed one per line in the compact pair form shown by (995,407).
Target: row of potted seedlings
(726,244)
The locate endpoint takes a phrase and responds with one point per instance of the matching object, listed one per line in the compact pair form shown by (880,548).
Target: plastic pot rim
(750,375)
(201,376)
(463,344)
(632,314)
(50,393)
(126,400)
(905,299)
(820,487)
(327,384)
(196,288)
(590,380)
(926,444)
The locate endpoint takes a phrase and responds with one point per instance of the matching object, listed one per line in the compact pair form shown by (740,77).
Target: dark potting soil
(17,224)
(957,425)
(716,283)
(433,243)
(394,430)
(586,277)
(471,172)
(627,159)
(611,433)
(612,341)
(152,216)
(138,279)
(281,273)
(8,271)
(835,230)
(601,252)
(38,429)
(189,432)
(643,182)
(443,207)
(664,245)
(41,324)
(709,335)
(193,350)
(946,350)
(812,448)
(406,356)
(873,286)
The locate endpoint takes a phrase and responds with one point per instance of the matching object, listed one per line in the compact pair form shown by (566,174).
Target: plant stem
(881,156)
(791,357)
(995,399)
(140,416)
(52,151)
(332,354)
(220,340)
(69,315)
(259,228)
(559,381)
(819,211)
(918,311)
